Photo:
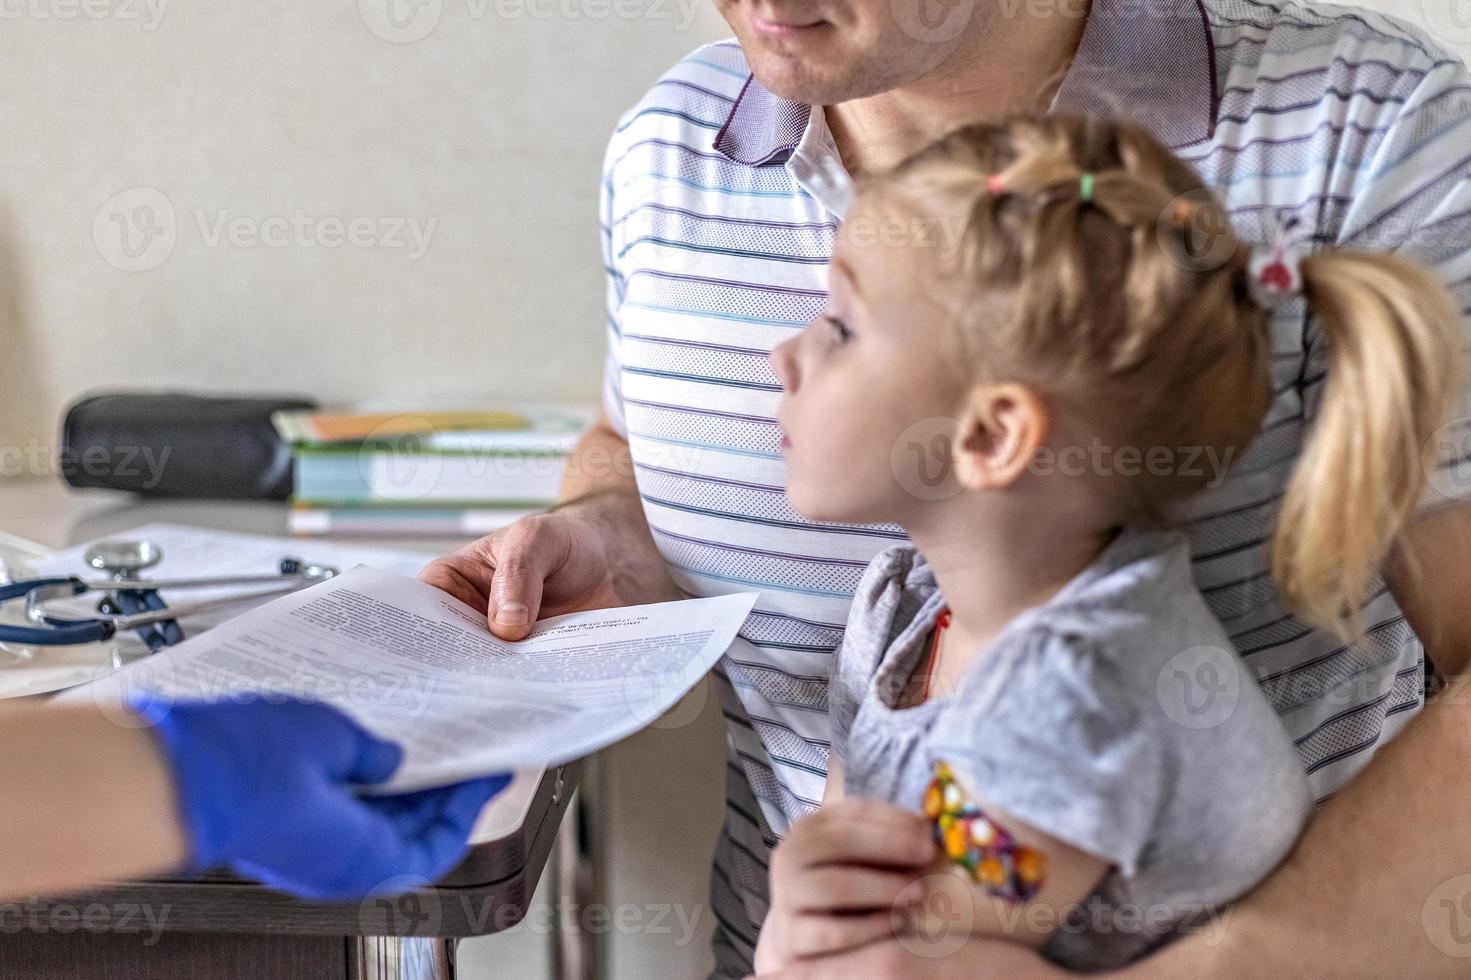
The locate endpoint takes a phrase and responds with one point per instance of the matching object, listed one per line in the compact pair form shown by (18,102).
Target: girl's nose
(784,363)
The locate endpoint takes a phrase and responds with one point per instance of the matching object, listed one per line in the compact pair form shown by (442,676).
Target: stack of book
(430,473)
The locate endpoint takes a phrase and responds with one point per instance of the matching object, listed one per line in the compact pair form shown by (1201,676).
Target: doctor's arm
(82,800)
(89,795)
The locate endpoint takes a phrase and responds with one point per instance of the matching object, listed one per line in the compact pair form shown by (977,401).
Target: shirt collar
(1150,60)
(762,127)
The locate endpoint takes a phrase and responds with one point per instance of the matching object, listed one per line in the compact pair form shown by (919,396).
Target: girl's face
(865,413)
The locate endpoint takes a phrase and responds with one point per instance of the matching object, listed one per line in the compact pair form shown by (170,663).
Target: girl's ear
(1001,427)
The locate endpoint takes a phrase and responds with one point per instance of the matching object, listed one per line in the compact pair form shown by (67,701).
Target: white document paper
(188,552)
(413,664)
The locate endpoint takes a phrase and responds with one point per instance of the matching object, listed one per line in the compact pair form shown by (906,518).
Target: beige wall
(487,133)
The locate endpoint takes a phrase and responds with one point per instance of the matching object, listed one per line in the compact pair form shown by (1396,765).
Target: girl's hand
(837,881)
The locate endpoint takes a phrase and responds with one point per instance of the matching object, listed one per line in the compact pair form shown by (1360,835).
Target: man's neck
(1011,64)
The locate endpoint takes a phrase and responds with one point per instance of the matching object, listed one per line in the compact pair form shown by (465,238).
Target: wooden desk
(218,926)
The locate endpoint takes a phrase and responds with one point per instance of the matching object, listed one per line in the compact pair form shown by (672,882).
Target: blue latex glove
(267,790)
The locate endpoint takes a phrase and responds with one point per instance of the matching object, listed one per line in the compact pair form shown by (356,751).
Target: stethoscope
(131,602)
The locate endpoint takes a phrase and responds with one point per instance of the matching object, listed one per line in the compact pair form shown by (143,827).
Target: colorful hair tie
(1274,271)
(996,184)
(1086,186)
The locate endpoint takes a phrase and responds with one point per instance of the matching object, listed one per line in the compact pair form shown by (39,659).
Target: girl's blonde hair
(1111,308)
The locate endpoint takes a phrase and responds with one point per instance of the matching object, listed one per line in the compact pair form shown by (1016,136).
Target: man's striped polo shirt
(720,204)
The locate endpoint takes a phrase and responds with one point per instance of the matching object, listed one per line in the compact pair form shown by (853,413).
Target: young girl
(1026,364)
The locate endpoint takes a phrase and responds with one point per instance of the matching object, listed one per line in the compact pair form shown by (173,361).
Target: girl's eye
(840,329)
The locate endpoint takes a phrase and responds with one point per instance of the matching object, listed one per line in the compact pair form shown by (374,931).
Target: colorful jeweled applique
(973,841)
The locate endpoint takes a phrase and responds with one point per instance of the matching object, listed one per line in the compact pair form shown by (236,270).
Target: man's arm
(1429,574)
(600,463)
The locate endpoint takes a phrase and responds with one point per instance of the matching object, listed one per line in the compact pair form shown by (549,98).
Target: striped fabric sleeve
(1413,197)
(613,289)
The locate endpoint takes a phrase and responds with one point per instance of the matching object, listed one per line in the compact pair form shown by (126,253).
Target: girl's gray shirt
(1116,717)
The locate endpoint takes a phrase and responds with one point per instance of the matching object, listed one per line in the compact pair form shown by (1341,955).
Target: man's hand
(839,881)
(592,553)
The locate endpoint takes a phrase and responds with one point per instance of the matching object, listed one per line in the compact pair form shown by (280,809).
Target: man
(723,191)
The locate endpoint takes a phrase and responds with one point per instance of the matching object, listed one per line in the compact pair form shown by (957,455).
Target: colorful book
(533,426)
(338,474)
(310,427)
(510,457)
(369,521)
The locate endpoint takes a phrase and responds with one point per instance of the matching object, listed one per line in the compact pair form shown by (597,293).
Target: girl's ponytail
(1091,231)
(1393,343)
